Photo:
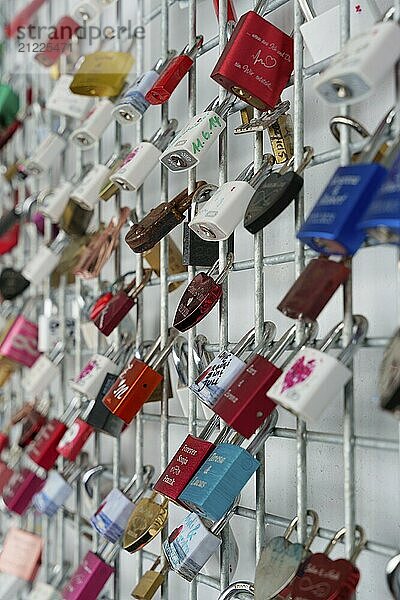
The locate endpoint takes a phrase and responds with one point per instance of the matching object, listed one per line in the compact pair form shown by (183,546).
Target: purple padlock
(92,575)
(20,490)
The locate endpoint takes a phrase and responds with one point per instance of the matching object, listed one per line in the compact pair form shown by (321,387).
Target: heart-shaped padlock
(201,296)
(280,560)
(12,284)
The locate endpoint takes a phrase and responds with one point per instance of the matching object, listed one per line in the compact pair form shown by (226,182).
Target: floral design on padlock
(88,370)
(299,372)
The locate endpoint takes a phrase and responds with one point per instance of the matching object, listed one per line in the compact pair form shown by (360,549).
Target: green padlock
(9,105)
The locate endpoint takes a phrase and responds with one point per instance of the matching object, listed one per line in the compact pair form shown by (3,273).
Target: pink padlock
(21,488)
(91,576)
(20,343)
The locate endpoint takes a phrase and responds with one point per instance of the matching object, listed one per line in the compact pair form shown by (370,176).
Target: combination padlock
(46,259)
(280,560)
(187,461)
(19,341)
(88,10)
(160,221)
(331,227)
(191,545)
(334,579)
(146,521)
(21,554)
(89,133)
(92,574)
(381,220)
(53,202)
(46,154)
(361,65)
(44,372)
(223,370)
(150,582)
(313,379)
(141,161)
(277,192)
(194,141)
(131,107)
(257,61)
(176,264)
(313,289)
(173,74)
(389,377)
(220,215)
(20,490)
(112,516)
(56,491)
(23,18)
(224,474)
(138,381)
(64,102)
(237,590)
(91,378)
(62,33)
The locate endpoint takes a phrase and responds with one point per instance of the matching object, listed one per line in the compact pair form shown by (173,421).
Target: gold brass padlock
(281,138)
(151,582)
(175,265)
(146,521)
(75,219)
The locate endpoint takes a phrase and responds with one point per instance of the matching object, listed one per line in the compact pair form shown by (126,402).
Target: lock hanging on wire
(53,202)
(146,521)
(56,491)
(389,377)
(89,133)
(44,372)
(19,341)
(150,582)
(26,563)
(237,589)
(47,153)
(64,102)
(63,31)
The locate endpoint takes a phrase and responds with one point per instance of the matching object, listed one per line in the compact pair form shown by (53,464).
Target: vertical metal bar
(396,5)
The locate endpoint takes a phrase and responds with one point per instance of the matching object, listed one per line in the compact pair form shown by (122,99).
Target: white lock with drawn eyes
(90,132)
(46,154)
(313,379)
(87,10)
(64,102)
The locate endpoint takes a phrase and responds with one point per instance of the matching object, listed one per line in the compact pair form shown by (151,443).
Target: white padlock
(56,491)
(88,191)
(43,373)
(87,10)
(363,62)
(90,132)
(90,379)
(44,591)
(222,213)
(46,259)
(46,155)
(64,102)
(143,159)
(10,586)
(313,379)
(194,141)
(54,202)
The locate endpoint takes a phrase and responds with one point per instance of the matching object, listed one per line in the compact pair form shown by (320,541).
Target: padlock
(141,161)
(92,574)
(392,576)
(112,516)
(252,124)
(99,417)
(89,133)
(19,344)
(9,105)
(53,202)
(220,215)
(237,590)
(21,212)
(361,65)
(224,474)
(313,379)
(120,305)
(313,289)
(223,370)
(133,104)
(23,18)
(88,10)
(64,102)
(87,194)
(90,379)
(231,11)
(276,193)
(46,154)
(160,221)
(138,381)
(58,41)
(190,546)
(32,424)
(146,521)
(280,559)
(11,586)
(44,591)
(175,262)
(74,438)
(335,579)
(381,220)
(150,582)
(389,377)
(12,284)
(173,74)
(20,489)
(56,491)
(43,373)
(331,227)
(75,219)
(21,554)
(201,296)
(257,61)
(194,141)
(46,259)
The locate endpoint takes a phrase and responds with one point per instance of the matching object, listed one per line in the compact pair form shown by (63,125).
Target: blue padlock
(213,489)
(332,225)
(381,221)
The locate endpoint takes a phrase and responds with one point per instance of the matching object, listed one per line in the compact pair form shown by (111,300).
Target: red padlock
(23,18)
(173,74)
(4,441)
(201,296)
(74,439)
(31,426)
(21,488)
(232,16)
(99,304)
(57,44)
(5,475)
(257,62)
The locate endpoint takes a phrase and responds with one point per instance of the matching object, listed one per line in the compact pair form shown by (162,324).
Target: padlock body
(246,404)
(53,495)
(148,585)
(40,376)
(41,265)
(89,579)
(9,105)
(74,439)
(64,30)
(5,475)
(111,518)
(223,212)
(4,441)
(43,591)
(361,64)
(219,480)
(183,466)
(336,579)
(193,142)
(200,297)
(313,289)
(45,156)
(21,488)
(169,79)
(11,586)
(146,521)
(21,554)
(175,262)
(88,191)
(100,417)
(190,546)
(133,105)
(43,450)
(63,102)
(31,425)
(138,165)
(331,227)
(198,252)
(90,379)
(217,377)
(54,203)
(113,313)
(102,74)
(75,219)
(89,133)
(310,382)
(256,63)
(20,343)
(132,390)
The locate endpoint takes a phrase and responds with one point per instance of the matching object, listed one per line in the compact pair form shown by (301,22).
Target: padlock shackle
(214,270)
(266,340)
(265,431)
(151,353)
(73,408)
(308,155)
(191,52)
(56,354)
(148,473)
(348,122)
(234,589)
(222,109)
(161,63)
(381,135)
(360,330)
(134,292)
(209,428)
(339,535)
(314,528)
(244,343)
(263,172)
(164,136)
(219,525)
(180,359)
(160,358)
(202,357)
(309,335)
(307,9)
(88,475)
(282,344)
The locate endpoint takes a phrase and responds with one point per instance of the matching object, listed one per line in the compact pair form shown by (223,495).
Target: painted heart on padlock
(299,372)
(324,579)
(277,566)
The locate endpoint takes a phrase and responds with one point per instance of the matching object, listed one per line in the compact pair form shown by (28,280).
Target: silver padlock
(194,141)
(44,372)
(64,102)
(46,259)
(87,10)
(143,159)
(238,589)
(90,132)
(223,212)
(313,379)
(90,379)
(47,154)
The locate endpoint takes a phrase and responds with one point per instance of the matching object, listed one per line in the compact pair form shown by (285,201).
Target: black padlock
(12,284)
(100,417)
(196,251)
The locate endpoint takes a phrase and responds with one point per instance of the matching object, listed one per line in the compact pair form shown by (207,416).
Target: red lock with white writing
(20,489)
